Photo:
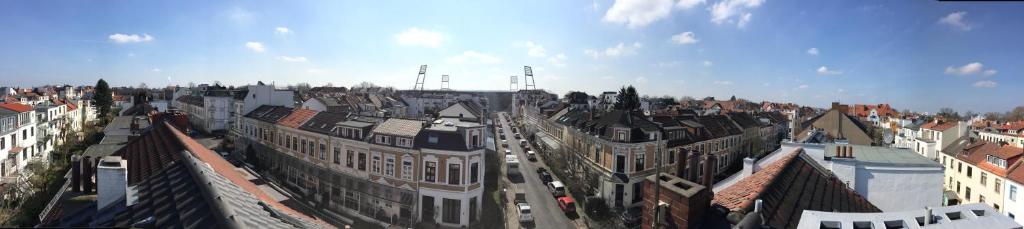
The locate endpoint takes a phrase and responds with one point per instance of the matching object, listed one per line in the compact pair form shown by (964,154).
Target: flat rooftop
(883,155)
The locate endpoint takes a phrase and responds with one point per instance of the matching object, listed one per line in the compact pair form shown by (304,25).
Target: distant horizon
(560,94)
(916,55)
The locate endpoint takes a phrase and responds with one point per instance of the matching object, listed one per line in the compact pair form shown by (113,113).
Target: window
(1013,192)
(967,194)
(998,185)
(671,156)
(323,151)
(376,163)
(969,171)
(389,166)
(959,167)
(429,171)
(288,142)
(312,147)
(454,170)
(407,168)
(303,148)
(348,158)
(337,155)
(639,164)
(984,179)
(295,143)
(981,199)
(362,161)
(474,170)
(382,139)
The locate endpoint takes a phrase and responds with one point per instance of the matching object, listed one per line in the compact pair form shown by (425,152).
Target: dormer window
(432,139)
(382,139)
(996,161)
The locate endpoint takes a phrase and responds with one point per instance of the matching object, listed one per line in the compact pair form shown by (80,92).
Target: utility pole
(657,180)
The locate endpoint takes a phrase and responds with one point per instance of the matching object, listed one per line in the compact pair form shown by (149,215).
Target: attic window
(862,225)
(954,215)
(432,139)
(830,225)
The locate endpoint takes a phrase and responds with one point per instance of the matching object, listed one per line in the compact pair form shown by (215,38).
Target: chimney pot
(111,181)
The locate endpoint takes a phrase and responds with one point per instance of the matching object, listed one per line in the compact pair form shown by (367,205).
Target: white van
(557,188)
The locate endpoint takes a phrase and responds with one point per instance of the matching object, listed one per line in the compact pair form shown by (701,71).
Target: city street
(546,212)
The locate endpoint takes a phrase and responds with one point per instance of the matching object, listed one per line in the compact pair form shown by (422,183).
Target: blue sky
(920,55)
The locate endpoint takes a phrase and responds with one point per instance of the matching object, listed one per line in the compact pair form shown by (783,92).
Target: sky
(917,55)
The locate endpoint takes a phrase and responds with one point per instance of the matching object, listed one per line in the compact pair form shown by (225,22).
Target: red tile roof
(939,125)
(162,145)
(743,193)
(977,154)
(297,118)
(71,107)
(17,107)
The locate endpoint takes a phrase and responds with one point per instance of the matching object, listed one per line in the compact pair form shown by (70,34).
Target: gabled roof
(164,157)
(719,126)
(297,118)
(191,100)
(744,120)
(16,107)
(324,122)
(268,113)
(399,127)
(939,125)
(788,187)
(977,153)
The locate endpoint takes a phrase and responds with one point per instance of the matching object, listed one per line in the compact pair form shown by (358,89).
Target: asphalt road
(546,213)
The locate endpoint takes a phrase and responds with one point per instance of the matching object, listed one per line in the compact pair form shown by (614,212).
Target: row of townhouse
(1012,133)
(979,171)
(397,171)
(215,108)
(619,148)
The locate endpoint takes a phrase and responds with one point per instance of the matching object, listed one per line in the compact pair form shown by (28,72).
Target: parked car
(504,145)
(508,152)
(522,143)
(542,169)
(525,215)
(530,155)
(556,188)
(544,175)
(632,217)
(503,141)
(566,204)
(518,136)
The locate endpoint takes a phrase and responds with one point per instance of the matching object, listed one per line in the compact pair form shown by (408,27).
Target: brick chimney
(709,170)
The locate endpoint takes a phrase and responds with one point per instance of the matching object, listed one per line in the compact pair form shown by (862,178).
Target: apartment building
(17,140)
(976,171)
(397,171)
(1012,133)
(937,135)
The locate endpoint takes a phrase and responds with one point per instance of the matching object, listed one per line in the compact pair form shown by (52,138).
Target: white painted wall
(892,188)
(1012,202)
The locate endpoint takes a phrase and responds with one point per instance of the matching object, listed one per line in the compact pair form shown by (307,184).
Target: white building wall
(1013,205)
(900,188)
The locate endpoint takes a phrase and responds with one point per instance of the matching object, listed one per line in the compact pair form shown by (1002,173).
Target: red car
(567,204)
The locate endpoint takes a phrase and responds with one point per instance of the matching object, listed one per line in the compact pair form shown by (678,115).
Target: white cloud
(471,56)
(726,10)
(825,71)
(282,30)
(722,82)
(956,20)
(686,4)
(744,20)
(130,38)
(615,51)
(985,84)
(990,72)
(558,60)
(292,58)
(419,37)
(803,86)
(707,63)
(638,13)
(685,38)
(156,70)
(812,51)
(969,69)
(534,49)
(255,46)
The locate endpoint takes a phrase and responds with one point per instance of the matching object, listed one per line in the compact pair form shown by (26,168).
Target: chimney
(849,151)
(87,174)
(709,170)
(76,174)
(111,181)
(748,166)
